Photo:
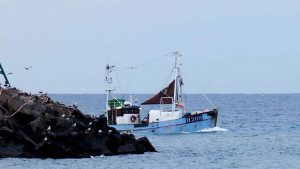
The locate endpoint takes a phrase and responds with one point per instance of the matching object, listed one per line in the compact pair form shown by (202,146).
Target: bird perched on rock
(75,106)
(45,139)
(74,125)
(49,128)
(100,131)
(90,123)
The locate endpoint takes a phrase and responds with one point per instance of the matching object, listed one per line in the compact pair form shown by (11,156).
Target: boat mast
(109,89)
(178,81)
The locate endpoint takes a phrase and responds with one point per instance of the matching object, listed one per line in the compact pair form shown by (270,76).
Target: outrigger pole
(7,84)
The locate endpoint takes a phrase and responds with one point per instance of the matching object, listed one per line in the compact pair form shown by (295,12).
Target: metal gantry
(7,84)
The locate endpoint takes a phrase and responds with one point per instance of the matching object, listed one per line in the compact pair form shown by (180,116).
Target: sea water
(260,131)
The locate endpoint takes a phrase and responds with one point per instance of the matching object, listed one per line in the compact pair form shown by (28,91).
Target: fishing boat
(171,117)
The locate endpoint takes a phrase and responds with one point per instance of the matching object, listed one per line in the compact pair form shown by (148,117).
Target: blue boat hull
(182,125)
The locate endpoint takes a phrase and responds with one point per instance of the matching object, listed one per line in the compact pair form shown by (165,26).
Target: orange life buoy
(133,119)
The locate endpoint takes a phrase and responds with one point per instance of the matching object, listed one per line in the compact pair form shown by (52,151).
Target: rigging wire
(134,68)
(151,61)
(168,78)
(143,64)
(122,89)
(119,84)
(129,79)
(202,93)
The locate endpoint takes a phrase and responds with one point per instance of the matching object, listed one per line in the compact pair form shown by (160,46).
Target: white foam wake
(184,132)
(214,129)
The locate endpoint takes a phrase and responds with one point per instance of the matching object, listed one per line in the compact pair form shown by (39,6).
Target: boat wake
(214,129)
(207,130)
(184,132)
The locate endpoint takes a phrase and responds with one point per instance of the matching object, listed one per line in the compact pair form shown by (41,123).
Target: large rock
(35,126)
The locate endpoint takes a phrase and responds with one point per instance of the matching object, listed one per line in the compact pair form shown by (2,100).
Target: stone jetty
(35,126)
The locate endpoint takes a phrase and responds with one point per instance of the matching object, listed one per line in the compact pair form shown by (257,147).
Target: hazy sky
(228,46)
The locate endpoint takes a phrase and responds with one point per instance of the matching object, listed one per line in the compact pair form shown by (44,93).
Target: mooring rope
(18,109)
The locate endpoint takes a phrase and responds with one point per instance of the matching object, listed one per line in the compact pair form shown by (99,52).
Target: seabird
(49,128)
(9,73)
(28,68)
(100,131)
(74,125)
(109,131)
(89,129)
(75,105)
(45,139)
(63,115)
(90,123)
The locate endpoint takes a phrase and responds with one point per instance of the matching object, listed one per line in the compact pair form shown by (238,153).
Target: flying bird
(28,68)
(9,73)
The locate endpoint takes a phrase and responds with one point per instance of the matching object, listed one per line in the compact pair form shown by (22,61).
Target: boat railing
(162,104)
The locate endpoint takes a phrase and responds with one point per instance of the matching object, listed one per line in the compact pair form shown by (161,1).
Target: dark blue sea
(260,131)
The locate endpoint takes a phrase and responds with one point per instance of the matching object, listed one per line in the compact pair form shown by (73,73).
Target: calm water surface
(254,131)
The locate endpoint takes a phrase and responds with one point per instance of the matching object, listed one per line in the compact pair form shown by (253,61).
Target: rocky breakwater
(34,126)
